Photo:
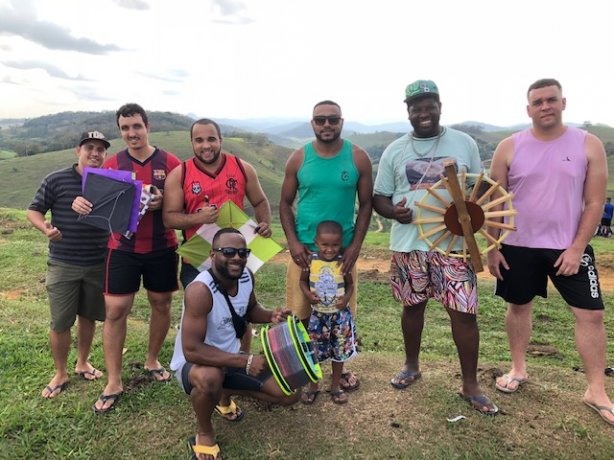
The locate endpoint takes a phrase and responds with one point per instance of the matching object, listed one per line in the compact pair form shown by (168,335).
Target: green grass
(153,420)
(6,154)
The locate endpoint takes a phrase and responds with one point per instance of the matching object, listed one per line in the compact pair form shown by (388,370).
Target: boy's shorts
(417,276)
(124,271)
(333,335)
(74,290)
(530,269)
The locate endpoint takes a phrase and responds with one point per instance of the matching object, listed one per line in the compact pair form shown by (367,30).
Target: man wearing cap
(328,174)
(409,166)
(76,262)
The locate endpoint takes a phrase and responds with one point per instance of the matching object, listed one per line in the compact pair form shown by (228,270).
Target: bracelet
(249,363)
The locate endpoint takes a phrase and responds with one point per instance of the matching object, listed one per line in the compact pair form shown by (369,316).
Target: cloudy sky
(276,58)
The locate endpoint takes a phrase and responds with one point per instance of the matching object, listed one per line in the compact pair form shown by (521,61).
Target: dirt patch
(11,295)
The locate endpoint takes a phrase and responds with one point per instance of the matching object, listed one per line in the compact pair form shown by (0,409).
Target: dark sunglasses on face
(231,252)
(333,120)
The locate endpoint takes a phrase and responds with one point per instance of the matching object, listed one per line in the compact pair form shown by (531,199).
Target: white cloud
(20,19)
(239,59)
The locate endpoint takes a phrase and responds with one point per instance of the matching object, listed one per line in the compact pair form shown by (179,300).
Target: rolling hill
(22,176)
(267,151)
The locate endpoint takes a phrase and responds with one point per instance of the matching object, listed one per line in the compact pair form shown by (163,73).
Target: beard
(216,156)
(222,270)
(331,140)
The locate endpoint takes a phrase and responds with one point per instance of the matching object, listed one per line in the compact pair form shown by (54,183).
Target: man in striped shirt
(76,262)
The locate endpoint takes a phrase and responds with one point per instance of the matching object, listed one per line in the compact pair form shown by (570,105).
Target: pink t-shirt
(547,180)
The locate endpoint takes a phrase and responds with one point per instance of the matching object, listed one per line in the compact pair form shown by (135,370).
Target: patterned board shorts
(417,276)
(333,335)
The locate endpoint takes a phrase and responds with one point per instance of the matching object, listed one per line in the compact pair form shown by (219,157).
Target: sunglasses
(333,120)
(231,252)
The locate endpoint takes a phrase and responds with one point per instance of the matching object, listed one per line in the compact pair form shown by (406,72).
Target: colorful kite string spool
(290,355)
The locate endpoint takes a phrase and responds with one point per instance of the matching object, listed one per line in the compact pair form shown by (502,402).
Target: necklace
(432,149)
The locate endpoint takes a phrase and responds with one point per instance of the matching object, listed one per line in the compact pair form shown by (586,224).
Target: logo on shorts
(196,188)
(159,174)
(587,261)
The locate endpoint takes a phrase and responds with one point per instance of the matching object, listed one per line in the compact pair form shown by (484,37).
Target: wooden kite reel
(464,216)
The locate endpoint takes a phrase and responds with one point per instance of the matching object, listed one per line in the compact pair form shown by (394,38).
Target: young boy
(331,326)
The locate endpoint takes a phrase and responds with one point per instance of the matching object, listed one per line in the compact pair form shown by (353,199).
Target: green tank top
(326,191)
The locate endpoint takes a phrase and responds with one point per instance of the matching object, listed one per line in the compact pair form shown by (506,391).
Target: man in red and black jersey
(195,192)
(149,253)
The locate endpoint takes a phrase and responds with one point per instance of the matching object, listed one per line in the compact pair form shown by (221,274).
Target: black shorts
(124,270)
(235,378)
(187,274)
(606,222)
(529,272)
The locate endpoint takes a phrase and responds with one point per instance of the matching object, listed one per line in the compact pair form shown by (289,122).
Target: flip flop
(599,410)
(231,409)
(408,377)
(59,388)
(114,398)
(345,382)
(309,397)
(479,402)
(196,449)
(93,372)
(509,379)
(159,372)
(338,397)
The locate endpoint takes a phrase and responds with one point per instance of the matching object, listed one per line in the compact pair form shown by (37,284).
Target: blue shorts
(333,335)
(235,378)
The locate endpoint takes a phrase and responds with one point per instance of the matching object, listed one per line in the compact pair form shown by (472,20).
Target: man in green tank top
(327,177)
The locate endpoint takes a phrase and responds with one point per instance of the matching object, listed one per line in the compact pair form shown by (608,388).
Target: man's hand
(300,254)
(81,206)
(258,365)
(156,199)
(279,315)
(495,262)
(52,232)
(263,229)
(208,214)
(401,213)
(568,262)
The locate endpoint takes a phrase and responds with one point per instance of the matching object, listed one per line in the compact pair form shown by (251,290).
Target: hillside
(21,176)
(61,130)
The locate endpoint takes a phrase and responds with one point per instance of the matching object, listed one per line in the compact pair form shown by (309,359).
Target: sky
(276,58)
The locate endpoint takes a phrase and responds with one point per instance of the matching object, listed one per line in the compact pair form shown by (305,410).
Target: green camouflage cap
(421,88)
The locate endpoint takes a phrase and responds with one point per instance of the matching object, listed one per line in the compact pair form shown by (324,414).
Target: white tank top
(220,330)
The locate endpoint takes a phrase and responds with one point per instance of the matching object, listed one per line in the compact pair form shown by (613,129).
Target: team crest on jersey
(196,188)
(159,174)
(231,185)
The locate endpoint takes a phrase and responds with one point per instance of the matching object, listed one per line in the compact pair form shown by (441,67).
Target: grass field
(545,419)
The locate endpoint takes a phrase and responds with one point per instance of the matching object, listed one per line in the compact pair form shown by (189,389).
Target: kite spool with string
(290,355)
(442,221)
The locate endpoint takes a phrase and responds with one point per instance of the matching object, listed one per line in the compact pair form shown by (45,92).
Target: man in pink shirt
(558,175)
